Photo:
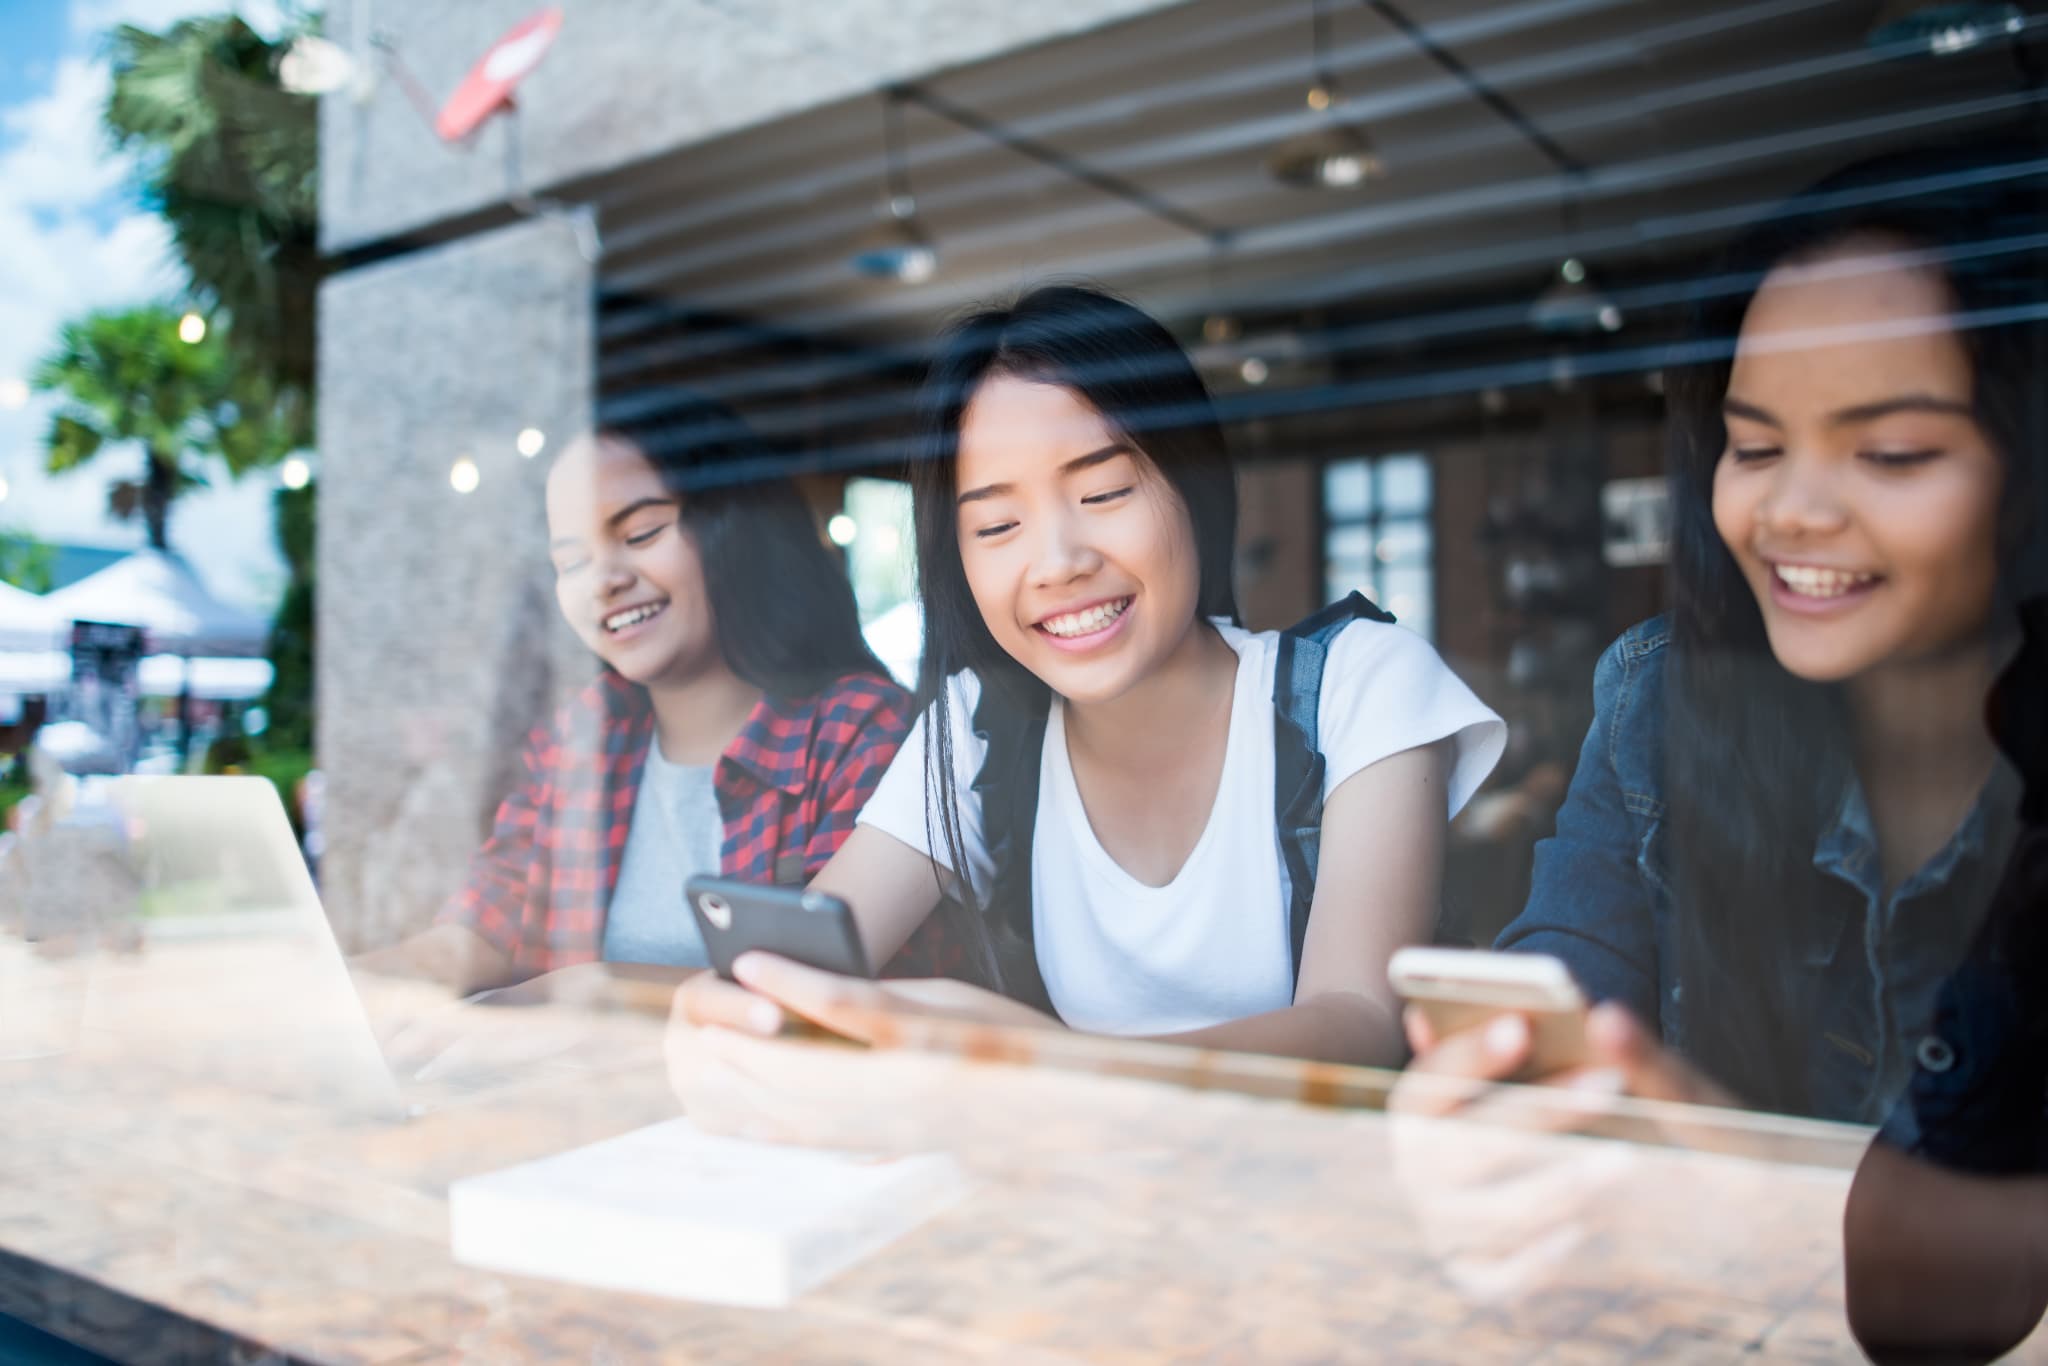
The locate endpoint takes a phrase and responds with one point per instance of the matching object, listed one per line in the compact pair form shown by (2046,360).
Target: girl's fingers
(1421,1038)
(1462,1067)
(845,1005)
(1618,1041)
(708,999)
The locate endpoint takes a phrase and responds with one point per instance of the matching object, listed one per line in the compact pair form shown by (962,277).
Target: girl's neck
(1152,721)
(696,718)
(1923,721)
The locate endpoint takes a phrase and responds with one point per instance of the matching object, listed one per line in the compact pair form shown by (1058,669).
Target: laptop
(241,979)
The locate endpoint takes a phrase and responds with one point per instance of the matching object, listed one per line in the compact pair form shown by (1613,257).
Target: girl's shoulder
(846,717)
(866,697)
(606,711)
(1628,680)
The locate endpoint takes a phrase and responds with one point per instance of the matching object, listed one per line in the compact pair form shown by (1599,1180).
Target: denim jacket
(1599,900)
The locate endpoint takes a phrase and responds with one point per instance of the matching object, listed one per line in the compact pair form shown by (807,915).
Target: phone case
(807,927)
(1557,1037)
(1461,989)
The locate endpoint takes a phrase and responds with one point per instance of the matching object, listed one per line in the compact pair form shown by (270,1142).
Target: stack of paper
(667,1210)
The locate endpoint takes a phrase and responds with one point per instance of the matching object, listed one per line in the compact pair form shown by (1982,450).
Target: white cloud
(70,243)
(56,154)
(90,18)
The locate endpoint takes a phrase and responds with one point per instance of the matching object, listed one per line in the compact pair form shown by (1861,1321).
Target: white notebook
(666,1210)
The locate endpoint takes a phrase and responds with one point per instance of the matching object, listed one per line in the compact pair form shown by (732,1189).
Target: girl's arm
(1376,890)
(1378,886)
(890,887)
(1941,1261)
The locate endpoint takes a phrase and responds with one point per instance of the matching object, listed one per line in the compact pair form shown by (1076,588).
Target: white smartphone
(1460,989)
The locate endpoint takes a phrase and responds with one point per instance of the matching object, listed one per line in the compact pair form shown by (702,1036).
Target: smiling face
(1857,491)
(1080,555)
(627,575)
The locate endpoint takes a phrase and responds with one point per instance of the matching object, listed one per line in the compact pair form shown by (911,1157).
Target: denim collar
(1848,844)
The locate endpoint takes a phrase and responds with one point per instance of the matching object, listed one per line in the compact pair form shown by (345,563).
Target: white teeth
(632,616)
(1811,582)
(1086,622)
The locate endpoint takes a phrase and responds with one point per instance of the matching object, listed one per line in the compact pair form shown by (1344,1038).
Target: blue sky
(72,238)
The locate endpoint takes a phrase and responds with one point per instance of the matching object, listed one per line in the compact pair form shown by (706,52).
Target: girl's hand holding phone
(1503,1204)
(738,1066)
(1622,1058)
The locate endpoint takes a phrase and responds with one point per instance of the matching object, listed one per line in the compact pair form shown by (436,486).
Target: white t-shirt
(1121,957)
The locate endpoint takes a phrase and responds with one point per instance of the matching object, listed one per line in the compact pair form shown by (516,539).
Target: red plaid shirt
(789,787)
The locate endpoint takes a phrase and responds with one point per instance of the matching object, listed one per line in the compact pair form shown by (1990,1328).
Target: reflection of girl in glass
(1788,815)
(738,725)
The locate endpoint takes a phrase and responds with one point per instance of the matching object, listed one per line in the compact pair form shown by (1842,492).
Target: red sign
(488,86)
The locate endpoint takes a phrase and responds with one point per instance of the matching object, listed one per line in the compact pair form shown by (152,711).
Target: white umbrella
(27,621)
(214,680)
(159,592)
(33,673)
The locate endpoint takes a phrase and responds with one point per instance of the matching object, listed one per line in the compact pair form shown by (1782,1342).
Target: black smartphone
(812,928)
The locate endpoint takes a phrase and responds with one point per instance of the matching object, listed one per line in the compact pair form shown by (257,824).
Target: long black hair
(1758,760)
(780,599)
(1128,368)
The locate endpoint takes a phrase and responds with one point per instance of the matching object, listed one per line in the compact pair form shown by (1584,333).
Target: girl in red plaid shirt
(738,725)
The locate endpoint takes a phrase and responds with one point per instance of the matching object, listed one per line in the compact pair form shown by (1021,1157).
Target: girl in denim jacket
(1788,814)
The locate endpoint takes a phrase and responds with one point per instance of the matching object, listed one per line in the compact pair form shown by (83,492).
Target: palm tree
(229,157)
(126,378)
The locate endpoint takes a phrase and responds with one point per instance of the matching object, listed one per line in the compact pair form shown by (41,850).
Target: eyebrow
(1074,466)
(1862,412)
(637,505)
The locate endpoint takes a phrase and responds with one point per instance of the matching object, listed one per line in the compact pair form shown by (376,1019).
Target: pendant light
(1336,154)
(1572,303)
(897,248)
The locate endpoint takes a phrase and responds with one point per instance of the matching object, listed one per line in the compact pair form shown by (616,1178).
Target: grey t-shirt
(676,832)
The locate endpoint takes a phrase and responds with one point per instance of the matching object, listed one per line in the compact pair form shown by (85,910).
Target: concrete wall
(440,645)
(628,79)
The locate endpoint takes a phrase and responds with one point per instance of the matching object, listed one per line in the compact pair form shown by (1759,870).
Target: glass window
(1377,535)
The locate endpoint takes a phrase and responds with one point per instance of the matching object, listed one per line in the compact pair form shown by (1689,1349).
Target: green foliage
(12,789)
(284,765)
(126,378)
(290,700)
(230,158)
(27,562)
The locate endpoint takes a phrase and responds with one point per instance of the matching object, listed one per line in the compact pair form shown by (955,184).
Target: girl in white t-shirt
(1076,516)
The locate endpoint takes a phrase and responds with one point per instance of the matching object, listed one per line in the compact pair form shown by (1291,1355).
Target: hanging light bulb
(1573,303)
(898,248)
(191,329)
(1336,154)
(316,66)
(1944,29)
(1218,328)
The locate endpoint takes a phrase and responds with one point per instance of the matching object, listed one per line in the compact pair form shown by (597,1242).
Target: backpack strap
(1013,728)
(1297,756)
(1006,785)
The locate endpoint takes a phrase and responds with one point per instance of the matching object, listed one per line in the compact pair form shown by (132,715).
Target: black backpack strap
(1006,785)
(1297,755)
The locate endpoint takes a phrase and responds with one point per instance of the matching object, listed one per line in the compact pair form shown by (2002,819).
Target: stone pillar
(440,645)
